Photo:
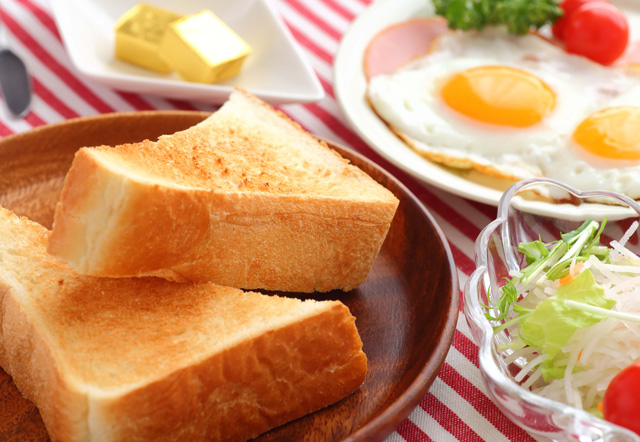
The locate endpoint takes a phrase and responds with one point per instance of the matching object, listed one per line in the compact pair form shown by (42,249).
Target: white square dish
(275,71)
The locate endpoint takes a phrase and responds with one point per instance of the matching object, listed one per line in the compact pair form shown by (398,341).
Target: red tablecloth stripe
(63,73)
(42,92)
(412,432)
(340,9)
(23,17)
(307,13)
(448,419)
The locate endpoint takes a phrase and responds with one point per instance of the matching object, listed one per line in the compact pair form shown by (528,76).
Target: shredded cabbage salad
(574,314)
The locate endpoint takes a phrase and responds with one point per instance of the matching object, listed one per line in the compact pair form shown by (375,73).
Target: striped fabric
(456,407)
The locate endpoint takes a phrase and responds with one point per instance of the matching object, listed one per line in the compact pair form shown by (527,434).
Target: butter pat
(203,49)
(139,33)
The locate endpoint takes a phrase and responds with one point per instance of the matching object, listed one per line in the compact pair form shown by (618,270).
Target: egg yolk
(499,95)
(611,133)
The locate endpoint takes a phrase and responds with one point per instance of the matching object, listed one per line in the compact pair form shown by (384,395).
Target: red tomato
(622,398)
(598,31)
(568,6)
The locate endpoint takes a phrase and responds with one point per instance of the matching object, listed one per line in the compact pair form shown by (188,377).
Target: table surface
(456,407)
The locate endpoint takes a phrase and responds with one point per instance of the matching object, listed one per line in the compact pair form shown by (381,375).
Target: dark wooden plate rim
(387,420)
(397,411)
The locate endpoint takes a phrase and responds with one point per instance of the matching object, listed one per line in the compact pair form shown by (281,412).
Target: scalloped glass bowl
(521,218)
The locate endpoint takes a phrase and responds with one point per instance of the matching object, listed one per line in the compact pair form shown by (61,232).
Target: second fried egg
(603,151)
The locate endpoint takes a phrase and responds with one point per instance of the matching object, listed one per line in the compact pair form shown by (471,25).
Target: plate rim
(350,82)
(395,412)
(350,90)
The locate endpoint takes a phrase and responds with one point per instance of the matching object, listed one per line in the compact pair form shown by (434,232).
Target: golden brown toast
(246,199)
(148,359)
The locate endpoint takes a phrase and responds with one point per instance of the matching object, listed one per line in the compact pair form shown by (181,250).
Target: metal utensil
(15,83)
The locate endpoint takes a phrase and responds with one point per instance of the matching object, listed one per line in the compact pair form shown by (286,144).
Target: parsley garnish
(518,15)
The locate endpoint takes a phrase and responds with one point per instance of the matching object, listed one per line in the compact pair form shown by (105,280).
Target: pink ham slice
(400,43)
(396,45)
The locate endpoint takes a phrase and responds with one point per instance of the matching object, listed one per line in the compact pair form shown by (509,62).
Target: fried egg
(505,105)
(603,151)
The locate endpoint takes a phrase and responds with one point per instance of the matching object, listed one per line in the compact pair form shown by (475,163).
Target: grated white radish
(594,355)
(629,233)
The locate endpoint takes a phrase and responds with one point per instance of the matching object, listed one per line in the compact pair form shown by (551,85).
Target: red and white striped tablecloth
(456,407)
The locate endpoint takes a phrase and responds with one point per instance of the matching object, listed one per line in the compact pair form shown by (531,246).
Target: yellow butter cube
(139,33)
(201,48)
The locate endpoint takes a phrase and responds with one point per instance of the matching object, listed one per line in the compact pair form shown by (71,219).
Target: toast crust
(148,359)
(246,198)
(246,390)
(162,214)
(27,357)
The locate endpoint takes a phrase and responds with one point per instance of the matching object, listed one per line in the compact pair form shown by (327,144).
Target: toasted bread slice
(246,199)
(148,359)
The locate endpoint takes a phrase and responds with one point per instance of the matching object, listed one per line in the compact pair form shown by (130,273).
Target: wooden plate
(406,311)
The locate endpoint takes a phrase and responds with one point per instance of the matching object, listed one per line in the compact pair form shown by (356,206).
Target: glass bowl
(528,209)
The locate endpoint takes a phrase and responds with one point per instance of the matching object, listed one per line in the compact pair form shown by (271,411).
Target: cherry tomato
(568,6)
(598,31)
(622,398)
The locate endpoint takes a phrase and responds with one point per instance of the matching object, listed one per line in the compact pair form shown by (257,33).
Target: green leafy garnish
(576,304)
(506,302)
(509,296)
(518,15)
(553,322)
(533,251)
(537,267)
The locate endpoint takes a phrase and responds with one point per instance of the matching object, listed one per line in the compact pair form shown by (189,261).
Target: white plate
(351,85)
(275,71)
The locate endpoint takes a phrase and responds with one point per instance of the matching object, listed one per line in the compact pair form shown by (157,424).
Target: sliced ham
(396,45)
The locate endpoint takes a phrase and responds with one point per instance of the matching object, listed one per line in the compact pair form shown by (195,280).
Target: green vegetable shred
(519,16)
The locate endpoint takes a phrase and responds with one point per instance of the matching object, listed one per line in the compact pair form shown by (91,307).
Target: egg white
(409,101)
(584,170)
